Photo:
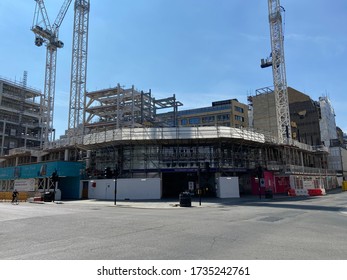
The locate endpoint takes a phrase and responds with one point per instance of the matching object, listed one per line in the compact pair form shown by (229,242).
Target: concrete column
(66,155)
(88,159)
(302,161)
(3,137)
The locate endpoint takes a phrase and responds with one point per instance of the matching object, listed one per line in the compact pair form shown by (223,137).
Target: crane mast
(277,62)
(45,33)
(78,69)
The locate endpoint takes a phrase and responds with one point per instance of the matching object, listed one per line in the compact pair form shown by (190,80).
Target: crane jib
(47,34)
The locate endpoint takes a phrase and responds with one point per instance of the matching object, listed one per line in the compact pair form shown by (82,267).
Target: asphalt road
(314,228)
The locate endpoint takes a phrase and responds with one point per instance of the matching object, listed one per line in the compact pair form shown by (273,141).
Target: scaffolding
(20,115)
(125,138)
(153,150)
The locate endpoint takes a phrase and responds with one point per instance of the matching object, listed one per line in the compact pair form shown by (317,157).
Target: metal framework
(78,68)
(278,70)
(20,108)
(120,107)
(48,34)
(169,102)
(136,151)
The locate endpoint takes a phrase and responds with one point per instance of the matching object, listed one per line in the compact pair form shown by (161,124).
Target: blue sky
(200,50)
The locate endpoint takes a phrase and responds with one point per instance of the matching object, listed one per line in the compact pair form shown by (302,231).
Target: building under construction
(118,143)
(20,116)
(126,140)
(119,107)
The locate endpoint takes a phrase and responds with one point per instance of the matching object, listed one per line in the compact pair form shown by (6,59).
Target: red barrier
(314,192)
(291,192)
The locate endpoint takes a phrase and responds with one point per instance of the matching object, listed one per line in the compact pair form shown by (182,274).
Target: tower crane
(47,34)
(78,69)
(277,62)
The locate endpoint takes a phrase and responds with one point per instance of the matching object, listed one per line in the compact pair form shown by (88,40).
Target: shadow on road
(280,202)
(297,206)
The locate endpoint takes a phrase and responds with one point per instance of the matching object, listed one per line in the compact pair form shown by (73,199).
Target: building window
(238,109)
(184,122)
(239,118)
(208,119)
(223,117)
(194,120)
(12,145)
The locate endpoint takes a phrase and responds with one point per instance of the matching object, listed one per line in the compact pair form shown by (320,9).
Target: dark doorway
(85,190)
(176,182)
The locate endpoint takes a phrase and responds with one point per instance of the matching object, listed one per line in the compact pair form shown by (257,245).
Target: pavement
(195,201)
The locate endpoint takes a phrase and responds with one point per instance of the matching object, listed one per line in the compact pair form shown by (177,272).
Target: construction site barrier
(301,192)
(291,192)
(7,196)
(306,192)
(314,192)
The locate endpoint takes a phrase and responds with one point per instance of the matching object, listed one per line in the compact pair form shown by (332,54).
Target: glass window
(238,109)
(239,118)
(194,120)
(223,117)
(208,119)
